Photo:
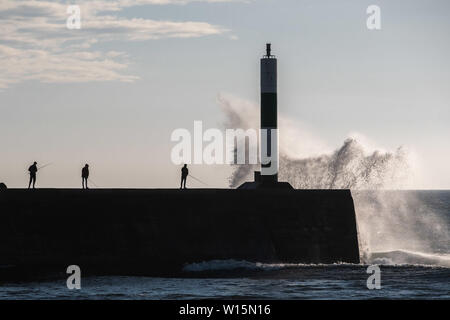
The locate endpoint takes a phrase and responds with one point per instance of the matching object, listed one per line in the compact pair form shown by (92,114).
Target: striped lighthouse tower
(269,132)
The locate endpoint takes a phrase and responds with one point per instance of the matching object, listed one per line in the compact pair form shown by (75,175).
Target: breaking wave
(349,167)
(393,226)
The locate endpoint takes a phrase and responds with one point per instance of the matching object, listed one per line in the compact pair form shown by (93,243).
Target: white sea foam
(215,265)
(399,258)
(230,264)
(405,257)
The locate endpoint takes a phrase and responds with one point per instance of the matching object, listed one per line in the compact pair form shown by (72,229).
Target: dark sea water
(406,233)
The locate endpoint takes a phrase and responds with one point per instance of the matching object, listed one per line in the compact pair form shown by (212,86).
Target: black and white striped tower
(269,142)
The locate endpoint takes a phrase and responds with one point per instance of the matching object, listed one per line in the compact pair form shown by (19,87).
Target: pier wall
(156,232)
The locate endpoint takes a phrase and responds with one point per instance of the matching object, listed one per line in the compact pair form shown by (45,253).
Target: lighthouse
(268,176)
(269,121)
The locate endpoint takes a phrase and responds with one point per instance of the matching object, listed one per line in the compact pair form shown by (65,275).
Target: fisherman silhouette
(184,174)
(85,176)
(32,169)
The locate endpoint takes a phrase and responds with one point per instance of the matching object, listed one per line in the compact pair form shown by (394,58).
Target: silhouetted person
(32,169)
(85,176)
(184,174)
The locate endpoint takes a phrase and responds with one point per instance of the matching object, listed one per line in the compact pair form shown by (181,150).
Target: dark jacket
(33,169)
(85,172)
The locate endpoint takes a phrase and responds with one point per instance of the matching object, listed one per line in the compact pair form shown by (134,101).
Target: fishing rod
(190,175)
(90,180)
(45,165)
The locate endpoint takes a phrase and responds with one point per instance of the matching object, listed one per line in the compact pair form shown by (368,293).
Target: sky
(111,93)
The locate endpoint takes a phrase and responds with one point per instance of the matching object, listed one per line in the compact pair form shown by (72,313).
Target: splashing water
(392,225)
(346,168)
(349,167)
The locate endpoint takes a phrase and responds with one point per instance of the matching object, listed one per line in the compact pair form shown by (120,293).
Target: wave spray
(395,227)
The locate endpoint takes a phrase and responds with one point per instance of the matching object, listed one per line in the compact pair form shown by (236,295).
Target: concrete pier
(156,232)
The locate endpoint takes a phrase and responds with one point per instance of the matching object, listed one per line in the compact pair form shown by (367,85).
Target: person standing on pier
(32,170)
(184,174)
(85,176)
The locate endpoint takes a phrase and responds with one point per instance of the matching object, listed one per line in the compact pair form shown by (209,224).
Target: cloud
(36,45)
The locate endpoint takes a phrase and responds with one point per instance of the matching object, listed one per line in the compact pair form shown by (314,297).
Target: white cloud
(36,45)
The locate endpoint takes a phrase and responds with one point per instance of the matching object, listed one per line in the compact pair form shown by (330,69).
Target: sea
(405,250)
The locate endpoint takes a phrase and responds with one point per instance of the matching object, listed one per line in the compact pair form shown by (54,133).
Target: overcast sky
(111,93)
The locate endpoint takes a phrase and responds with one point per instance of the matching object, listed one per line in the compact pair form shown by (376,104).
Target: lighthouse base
(265,182)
